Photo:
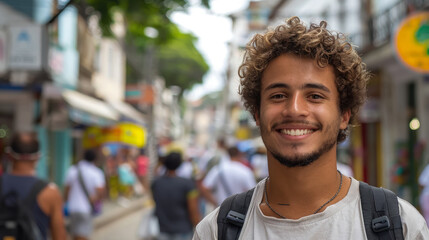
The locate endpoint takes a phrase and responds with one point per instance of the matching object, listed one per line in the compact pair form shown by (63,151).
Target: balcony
(379,30)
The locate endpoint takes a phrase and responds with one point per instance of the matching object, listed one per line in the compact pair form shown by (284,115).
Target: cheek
(267,115)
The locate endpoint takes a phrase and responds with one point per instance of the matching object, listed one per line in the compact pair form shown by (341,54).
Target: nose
(296,106)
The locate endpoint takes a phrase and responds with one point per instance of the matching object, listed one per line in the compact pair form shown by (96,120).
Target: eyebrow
(307,85)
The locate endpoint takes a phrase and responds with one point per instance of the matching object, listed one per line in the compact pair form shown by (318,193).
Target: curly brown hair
(315,42)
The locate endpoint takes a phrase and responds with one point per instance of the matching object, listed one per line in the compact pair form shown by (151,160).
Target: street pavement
(120,219)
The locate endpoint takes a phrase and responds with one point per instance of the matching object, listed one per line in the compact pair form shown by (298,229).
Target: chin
(296,161)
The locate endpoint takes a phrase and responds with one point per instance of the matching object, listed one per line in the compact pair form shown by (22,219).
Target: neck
(304,188)
(24,170)
(171,173)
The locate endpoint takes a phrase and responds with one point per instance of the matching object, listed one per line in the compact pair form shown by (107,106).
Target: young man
(47,211)
(176,201)
(79,206)
(304,87)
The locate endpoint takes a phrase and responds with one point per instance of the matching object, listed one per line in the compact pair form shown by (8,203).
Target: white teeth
(296,132)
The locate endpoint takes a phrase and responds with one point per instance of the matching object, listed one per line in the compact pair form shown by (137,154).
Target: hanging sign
(412,42)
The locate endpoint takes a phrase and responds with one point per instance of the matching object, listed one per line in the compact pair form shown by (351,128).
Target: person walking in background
(127,174)
(84,191)
(176,202)
(47,211)
(227,178)
(212,157)
(142,168)
(304,86)
(259,163)
(424,196)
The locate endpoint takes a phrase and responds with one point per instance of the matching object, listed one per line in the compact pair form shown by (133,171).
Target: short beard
(304,160)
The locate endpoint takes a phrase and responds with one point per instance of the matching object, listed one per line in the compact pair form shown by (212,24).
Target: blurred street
(121,222)
(135,81)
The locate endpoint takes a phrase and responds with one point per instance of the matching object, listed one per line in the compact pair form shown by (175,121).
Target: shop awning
(88,110)
(128,112)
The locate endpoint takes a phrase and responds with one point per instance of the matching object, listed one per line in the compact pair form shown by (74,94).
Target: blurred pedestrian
(142,167)
(260,163)
(227,178)
(47,211)
(176,201)
(84,191)
(212,157)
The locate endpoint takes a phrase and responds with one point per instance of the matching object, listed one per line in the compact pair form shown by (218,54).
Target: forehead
(296,71)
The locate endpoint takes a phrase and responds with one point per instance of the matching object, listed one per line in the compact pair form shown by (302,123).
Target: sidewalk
(114,210)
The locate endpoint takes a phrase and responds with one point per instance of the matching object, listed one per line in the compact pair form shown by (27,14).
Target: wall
(109,79)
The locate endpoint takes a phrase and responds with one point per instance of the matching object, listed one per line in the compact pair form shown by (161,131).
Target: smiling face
(299,117)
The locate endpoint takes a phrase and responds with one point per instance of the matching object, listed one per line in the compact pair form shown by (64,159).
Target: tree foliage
(180,55)
(180,63)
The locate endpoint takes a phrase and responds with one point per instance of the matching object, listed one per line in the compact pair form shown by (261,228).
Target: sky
(214,30)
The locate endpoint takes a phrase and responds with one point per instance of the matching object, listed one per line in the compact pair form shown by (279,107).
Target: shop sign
(122,133)
(412,42)
(92,137)
(132,134)
(25,47)
(56,60)
(140,94)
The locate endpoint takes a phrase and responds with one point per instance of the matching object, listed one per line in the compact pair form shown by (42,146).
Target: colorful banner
(92,137)
(132,134)
(124,133)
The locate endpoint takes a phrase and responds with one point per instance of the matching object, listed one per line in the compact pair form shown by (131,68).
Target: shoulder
(92,168)
(186,181)
(50,193)
(71,170)
(207,228)
(50,198)
(240,168)
(413,224)
(213,172)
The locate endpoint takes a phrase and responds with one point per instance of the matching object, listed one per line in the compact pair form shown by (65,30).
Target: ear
(256,117)
(345,118)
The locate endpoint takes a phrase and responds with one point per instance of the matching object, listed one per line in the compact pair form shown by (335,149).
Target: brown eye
(277,96)
(316,96)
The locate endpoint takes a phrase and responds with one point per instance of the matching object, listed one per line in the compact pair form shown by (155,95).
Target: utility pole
(149,74)
(225,121)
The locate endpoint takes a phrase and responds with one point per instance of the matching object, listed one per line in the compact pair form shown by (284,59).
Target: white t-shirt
(237,177)
(342,220)
(93,178)
(424,180)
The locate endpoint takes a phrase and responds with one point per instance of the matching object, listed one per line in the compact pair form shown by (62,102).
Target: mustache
(301,122)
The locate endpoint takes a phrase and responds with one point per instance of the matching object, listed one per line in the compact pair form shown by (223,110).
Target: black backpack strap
(232,213)
(380,211)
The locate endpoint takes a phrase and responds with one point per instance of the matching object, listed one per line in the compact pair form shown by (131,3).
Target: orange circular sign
(412,42)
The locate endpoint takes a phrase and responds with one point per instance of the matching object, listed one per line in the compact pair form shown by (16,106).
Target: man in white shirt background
(80,207)
(227,178)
